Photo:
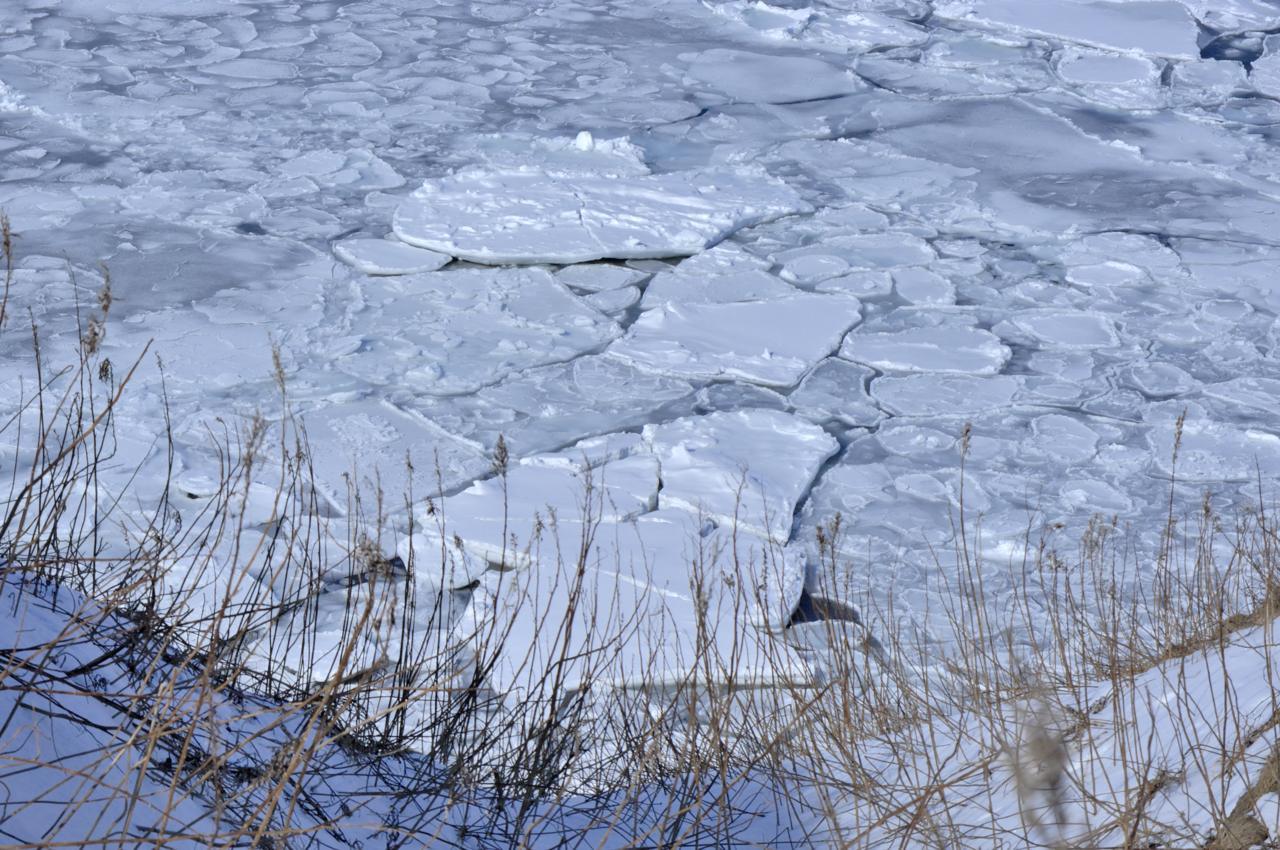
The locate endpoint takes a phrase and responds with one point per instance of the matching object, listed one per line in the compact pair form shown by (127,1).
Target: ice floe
(688,286)
(771,342)
(539,215)
(537,512)
(1214,451)
(660,601)
(1157,27)
(456,332)
(933,394)
(745,470)
(921,286)
(936,349)
(372,446)
(1067,329)
(769,77)
(385,257)
(544,408)
(837,389)
(598,277)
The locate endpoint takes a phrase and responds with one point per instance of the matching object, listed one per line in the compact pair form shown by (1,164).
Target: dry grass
(190,675)
(1075,715)
(234,664)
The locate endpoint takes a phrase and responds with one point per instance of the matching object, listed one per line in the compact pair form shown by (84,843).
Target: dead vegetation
(237,668)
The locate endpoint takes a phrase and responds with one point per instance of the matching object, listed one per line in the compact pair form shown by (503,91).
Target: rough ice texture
(837,389)
(930,394)
(539,216)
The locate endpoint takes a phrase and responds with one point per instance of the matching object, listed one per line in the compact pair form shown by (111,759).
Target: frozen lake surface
(776,251)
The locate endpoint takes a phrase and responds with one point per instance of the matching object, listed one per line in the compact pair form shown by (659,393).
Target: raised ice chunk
(599,277)
(535,513)
(838,28)
(535,215)
(770,78)
(1068,328)
(942,349)
(863,29)
(745,469)
(1162,380)
(545,408)
(367,446)
(921,286)
(867,285)
(578,154)
(654,601)
(837,389)
(614,301)
(1065,440)
(1160,27)
(812,268)
(1214,451)
(1093,496)
(356,169)
(1124,81)
(857,251)
(770,342)
(1258,394)
(721,275)
(764,18)
(1107,69)
(681,287)
(385,257)
(908,439)
(1134,249)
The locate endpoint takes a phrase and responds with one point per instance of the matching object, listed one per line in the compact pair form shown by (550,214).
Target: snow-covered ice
(796,246)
